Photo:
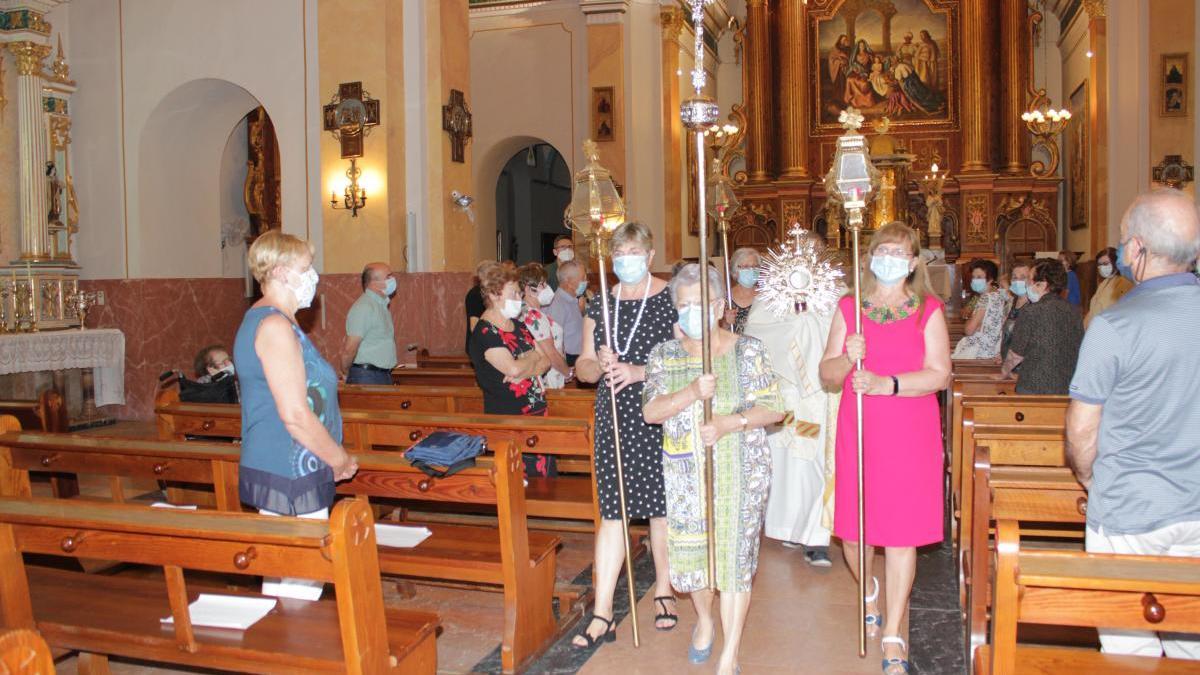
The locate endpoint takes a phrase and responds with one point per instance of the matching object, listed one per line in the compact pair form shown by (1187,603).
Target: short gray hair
(689,275)
(565,269)
(633,232)
(741,254)
(1167,222)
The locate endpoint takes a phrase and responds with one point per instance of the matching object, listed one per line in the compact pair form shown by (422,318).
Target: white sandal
(888,663)
(873,620)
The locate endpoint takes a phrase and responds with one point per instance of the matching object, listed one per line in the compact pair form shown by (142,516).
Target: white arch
(174,201)
(489,162)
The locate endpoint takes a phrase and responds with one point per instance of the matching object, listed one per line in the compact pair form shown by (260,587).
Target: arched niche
(175,230)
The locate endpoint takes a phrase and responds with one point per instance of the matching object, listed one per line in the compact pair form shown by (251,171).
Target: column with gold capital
(759,102)
(32,153)
(793,89)
(975,97)
(1014,35)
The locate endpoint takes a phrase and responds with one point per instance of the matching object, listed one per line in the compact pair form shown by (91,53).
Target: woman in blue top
(1074,294)
(291,425)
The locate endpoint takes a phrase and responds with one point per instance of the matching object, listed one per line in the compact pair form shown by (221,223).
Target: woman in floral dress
(547,334)
(985,328)
(507,364)
(745,399)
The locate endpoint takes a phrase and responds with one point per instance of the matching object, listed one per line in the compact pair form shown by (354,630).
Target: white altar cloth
(101,349)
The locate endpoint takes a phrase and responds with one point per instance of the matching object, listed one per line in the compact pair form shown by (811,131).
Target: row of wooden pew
(1013,497)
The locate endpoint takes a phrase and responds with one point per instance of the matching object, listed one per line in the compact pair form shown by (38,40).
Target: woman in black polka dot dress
(642,317)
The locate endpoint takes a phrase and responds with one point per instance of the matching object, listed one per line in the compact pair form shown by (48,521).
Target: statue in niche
(54,217)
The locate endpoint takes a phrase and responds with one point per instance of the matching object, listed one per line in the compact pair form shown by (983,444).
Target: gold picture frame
(604,114)
(1175,85)
(1076,137)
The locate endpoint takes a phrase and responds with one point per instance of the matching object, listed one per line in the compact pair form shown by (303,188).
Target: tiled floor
(802,619)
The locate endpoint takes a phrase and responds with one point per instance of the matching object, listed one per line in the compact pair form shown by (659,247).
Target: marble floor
(802,619)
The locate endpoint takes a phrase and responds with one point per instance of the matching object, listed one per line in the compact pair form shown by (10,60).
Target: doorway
(532,192)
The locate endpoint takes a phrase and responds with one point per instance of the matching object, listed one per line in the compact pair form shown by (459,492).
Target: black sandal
(609,634)
(664,615)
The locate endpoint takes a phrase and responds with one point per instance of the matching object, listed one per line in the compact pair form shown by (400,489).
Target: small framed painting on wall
(1175,81)
(604,118)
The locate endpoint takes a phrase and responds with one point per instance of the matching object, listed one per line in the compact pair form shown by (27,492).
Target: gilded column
(793,88)
(1098,119)
(975,102)
(1014,35)
(32,152)
(672,25)
(758,91)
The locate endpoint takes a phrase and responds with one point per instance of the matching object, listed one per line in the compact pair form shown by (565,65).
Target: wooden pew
(562,497)
(1068,588)
(47,413)
(427,360)
(576,403)
(454,553)
(441,376)
(119,616)
(1025,494)
(24,652)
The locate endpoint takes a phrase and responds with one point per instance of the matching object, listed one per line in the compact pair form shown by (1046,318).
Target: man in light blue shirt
(564,308)
(1133,426)
(370,351)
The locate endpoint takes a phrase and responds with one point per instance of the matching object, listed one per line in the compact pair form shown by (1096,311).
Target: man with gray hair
(1133,426)
(564,308)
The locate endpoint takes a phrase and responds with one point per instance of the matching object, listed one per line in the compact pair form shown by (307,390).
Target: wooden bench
(427,360)
(561,498)
(1067,588)
(119,616)
(24,652)
(47,413)
(1025,494)
(574,403)
(454,553)
(442,376)
(968,386)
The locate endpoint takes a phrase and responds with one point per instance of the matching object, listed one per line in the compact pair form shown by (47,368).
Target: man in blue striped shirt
(1133,426)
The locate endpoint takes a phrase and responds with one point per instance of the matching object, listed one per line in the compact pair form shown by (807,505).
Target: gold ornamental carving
(794,212)
(976,216)
(1096,9)
(59,70)
(29,56)
(672,22)
(60,132)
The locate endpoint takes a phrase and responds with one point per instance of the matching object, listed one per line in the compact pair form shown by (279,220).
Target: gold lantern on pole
(596,211)
(851,179)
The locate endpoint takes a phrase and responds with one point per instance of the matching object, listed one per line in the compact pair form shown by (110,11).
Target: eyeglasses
(894,252)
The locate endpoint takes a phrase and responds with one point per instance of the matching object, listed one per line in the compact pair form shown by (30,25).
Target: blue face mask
(747,278)
(979,285)
(630,268)
(1125,270)
(1033,295)
(1018,288)
(581,289)
(691,319)
(889,270)
(390,287)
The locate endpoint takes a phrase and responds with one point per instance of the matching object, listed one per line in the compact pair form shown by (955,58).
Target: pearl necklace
(636,321)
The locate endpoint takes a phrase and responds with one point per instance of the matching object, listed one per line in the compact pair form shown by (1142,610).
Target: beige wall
(1173,27)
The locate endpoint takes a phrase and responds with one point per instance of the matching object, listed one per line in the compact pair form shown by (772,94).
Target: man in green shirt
(370,351)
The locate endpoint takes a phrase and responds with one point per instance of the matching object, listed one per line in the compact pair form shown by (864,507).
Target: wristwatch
(895,385)
(744,422)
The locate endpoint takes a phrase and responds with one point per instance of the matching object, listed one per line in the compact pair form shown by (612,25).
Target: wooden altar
(952,97)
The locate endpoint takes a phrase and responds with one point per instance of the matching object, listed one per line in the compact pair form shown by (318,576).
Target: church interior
(146,144)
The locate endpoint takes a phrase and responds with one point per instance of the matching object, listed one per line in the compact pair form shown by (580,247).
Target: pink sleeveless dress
(902,446)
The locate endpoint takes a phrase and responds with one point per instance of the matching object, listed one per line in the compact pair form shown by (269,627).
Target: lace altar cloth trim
(102,349)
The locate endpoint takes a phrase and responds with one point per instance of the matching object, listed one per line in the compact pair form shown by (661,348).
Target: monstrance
(797,276)
(596,211)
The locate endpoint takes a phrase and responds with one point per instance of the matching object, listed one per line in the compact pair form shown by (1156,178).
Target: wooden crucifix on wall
(456,120)
(349,116)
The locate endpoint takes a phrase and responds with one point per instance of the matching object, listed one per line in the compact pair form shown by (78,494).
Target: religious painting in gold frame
(1175,78)
(888,58)
(1077,159)
(604,106)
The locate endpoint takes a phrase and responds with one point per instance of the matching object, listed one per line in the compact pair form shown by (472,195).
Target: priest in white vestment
(802,447)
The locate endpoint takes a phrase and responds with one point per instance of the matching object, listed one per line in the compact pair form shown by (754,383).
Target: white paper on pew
(181,507)
(400,536)
(227,611)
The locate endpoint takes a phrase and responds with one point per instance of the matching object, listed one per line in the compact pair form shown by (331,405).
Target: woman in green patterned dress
(745,399)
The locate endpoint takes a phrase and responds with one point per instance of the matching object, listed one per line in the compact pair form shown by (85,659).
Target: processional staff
(596,211)
(849,181)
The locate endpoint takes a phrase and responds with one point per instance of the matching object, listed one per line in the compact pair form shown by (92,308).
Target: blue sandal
(698,656)
(889,663)
(873,620)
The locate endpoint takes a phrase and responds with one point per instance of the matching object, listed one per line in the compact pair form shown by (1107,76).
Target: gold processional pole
(851,178)
(698,115)
(596,210)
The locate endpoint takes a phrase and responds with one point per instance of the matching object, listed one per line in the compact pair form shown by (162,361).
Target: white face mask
(306,290)
(545,296)
(1105,269)
(511,308)
(566,255)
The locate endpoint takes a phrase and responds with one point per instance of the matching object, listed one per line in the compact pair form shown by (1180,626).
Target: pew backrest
(577,403)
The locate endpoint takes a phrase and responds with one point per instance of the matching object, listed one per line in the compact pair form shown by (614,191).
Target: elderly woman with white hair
(745,400)
(743,272)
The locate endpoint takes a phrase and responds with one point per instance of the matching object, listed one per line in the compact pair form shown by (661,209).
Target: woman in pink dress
(906,360)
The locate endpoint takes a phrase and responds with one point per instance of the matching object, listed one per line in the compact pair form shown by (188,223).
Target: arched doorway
(532,191)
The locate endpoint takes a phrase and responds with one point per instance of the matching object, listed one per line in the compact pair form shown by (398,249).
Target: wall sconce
(354,197)
(1045,125)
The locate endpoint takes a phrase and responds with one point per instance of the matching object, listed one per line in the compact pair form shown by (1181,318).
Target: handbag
(445,453)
